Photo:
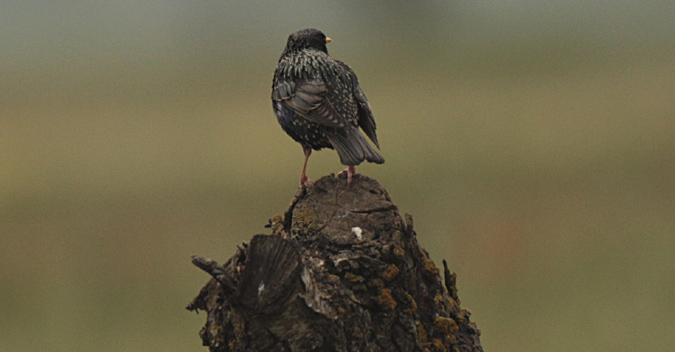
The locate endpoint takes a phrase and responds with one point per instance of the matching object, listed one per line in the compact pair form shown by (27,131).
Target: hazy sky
(39,32)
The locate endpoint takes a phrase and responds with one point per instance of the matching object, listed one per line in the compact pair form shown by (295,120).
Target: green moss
(304,221)
(277,224)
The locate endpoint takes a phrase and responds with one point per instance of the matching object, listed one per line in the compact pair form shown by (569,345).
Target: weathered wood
(341,271)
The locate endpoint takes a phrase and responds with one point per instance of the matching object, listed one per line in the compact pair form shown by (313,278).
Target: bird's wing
(366,119)
(307,99)
(365,115)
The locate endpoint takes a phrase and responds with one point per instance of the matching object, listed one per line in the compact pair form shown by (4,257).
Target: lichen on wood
(341,271)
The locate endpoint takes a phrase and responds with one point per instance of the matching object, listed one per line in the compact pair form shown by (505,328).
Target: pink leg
(350,170)
(303,177)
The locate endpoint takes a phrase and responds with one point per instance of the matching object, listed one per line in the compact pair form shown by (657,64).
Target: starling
(319,103)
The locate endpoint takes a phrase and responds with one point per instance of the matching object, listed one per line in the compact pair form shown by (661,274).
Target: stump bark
(341,271)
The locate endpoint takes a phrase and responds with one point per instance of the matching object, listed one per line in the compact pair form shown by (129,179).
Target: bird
(319,103)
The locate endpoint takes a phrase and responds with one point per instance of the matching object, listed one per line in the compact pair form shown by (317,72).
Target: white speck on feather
(261,287)
(357,231)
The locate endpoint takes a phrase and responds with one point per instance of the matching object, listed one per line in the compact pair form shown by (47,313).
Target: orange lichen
(438,345)
(390,272)
(430,266)
(449,340)
(375,283)
(439,298)
(234,344)
(216,332)
(386,299)
(353,277)
(453,287)
(421,332)
(411,302)
(454,305)
(399,252)
(277,224)
(445,325)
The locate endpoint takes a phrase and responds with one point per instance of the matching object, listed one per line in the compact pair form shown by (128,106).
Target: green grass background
(534,143)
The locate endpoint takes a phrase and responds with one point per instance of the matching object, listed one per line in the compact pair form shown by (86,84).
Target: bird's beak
(328,40)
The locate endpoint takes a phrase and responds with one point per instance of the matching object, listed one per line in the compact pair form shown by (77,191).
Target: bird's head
(309,38)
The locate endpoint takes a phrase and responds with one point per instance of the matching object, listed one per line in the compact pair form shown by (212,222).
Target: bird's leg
(350,170)
(303,177)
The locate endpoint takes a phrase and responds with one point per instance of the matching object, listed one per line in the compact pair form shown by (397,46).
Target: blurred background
(533,141)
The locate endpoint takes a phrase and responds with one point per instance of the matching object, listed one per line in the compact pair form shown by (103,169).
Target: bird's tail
(353,148)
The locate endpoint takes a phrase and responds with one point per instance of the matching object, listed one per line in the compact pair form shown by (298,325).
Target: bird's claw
(350,171)
(304,180)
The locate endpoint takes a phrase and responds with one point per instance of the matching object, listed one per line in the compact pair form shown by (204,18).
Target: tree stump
(341,271)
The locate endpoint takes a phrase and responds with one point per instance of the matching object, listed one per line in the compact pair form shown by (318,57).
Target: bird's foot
(350,171)
(304,180)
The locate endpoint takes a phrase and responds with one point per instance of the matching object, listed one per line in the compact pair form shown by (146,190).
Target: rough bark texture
(341,271)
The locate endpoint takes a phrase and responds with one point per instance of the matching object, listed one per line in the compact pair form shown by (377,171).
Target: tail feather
(353,148)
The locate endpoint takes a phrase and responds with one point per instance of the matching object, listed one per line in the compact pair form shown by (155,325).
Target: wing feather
(307,99)
(366,118)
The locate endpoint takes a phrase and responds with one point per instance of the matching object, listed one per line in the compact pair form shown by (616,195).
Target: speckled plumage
(318,101)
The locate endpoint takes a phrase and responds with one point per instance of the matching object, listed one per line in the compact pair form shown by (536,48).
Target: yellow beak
(328,40)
